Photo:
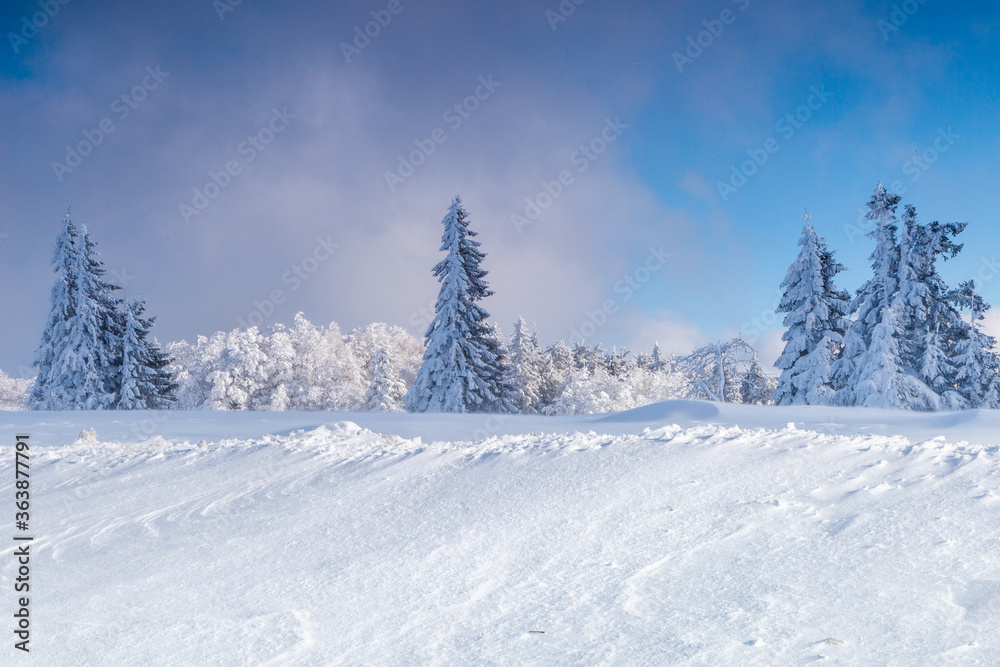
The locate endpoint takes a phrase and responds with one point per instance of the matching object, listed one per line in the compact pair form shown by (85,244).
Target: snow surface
(678,533)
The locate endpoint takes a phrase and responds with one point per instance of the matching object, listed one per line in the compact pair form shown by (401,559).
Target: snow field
(691,543)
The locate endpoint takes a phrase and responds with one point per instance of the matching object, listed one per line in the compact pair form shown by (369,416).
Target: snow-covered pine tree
(583,357)
(524,366)
(83,352)
(871,370)
(928,307)
(145,383)
(385,391)
(816,321)
(505,389)
(911,308)
(977,378)
(657,363)
(61,311)
(462,369)
(618,363)
(757,387)
(557,368)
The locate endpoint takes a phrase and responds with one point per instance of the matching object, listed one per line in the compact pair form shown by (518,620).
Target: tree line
(901,341)
(95,352)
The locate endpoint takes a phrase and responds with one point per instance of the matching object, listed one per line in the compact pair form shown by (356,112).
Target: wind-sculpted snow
(682,543)
(666,410)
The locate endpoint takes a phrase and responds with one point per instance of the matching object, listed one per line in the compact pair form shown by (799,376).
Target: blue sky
(306,211)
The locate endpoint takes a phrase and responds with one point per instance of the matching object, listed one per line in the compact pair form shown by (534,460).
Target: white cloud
(991,325)
(674,335)
(769,347)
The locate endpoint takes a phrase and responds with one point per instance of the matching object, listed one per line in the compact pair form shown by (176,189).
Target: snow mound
(666,411)
(337,543)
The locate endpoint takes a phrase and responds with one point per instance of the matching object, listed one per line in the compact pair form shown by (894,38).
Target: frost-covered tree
(756,386)
(462,369)
(619,363)
(238,377)
(557,365)
(930,307)
(524,368)
(815,324)
(14,392)
(593,392)
(589,358)
(61,311)
(302,367)
(872,369)
(385,390)
(405,349)
(80,353)
(977,378)
(727,372)
(908,345)
(656,361)
(145,383)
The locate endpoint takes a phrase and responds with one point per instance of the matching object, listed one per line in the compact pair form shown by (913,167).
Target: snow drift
(679,532)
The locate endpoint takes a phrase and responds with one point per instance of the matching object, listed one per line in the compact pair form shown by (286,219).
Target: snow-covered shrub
(14,392)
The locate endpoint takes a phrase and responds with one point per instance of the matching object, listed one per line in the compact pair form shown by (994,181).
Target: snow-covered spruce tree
(871,371)
(462,368)
(657,363)
(912,307)
(816,322)
(589,359)
(385,391)
(977,378)
(508,395)
(757,387)
(583,357)
(928,308)
(524,367)
(618,363)
(83,351)
(557,367)
(145,382)
(61,312)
